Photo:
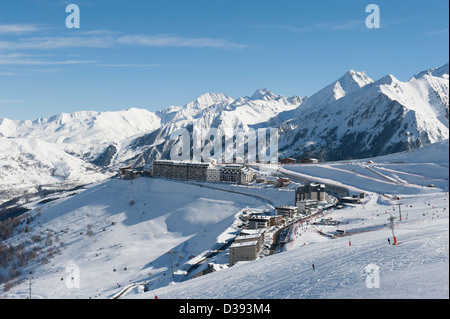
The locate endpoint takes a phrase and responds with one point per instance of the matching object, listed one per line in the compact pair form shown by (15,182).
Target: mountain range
(353,117)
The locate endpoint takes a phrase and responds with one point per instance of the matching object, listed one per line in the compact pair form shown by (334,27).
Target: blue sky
(156,53)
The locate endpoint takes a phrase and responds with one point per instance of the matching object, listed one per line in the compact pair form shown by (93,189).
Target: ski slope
(402,173)
(417,268)
(119,233)
(133,225)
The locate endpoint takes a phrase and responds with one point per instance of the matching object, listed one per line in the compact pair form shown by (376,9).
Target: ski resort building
(180,170)
(131,174)
(288,161)
(309,161)
(308,197)
(213,174)
(245,247)
(307,206)
(286,211)
(258,222)
(231,173)
(350,200)
(236,173)
(312,191)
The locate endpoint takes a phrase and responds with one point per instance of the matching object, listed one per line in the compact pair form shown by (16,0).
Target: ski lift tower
(171,253)
(391,219)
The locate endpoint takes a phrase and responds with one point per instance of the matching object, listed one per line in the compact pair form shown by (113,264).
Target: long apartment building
(233,173)
(180,170)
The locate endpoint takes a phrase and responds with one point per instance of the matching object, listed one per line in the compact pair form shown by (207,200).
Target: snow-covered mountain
(381,117)
(87,129)
(348,83)
(353,117)
(66,149)
(28,164)
(209,111)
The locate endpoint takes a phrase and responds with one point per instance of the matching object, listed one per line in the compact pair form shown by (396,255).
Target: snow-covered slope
(84,127)
(84,133)
(119,231)
(26,164)
(418,268)
(63,148)
(118,234)
(348,83)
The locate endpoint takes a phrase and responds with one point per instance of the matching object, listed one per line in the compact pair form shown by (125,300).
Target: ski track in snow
(339,271)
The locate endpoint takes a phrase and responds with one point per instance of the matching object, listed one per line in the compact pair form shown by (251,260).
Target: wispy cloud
(51,43)
(8,73)
(12,101)
(437,32)
(282,27)
(325,26)
(104,39)
(22,59)
(170,40)
(19,28)
(23,50)
(138,65)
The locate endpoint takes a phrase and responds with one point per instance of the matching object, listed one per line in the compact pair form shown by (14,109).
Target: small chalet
(288,161)
(309,161)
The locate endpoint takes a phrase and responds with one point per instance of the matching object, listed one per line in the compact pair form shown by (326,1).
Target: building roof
(246,237)
(308,201)
(252,232)
(287,207)
(181,163)
(260,217)
(244,243)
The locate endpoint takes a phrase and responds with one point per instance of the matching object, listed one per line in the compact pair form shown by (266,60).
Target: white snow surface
(136,223)
(84,127)
(415,269)
(27,163)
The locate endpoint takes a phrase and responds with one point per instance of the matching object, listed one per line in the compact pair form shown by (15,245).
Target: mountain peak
(440,72)
(208,99)
(263,94)
(350,82)
(353,80)
(387,80)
